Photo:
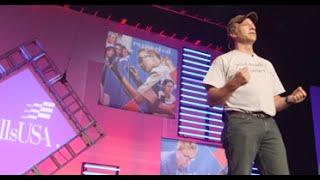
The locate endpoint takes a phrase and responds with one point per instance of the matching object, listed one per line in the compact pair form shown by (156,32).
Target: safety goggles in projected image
(31,124)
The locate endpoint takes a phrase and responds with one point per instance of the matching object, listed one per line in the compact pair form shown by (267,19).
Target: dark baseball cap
(239,18)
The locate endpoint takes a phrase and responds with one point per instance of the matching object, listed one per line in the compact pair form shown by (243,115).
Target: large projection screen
(31,123)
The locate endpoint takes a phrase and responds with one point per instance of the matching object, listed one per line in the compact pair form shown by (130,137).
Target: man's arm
(144,92)
(165,108)
(136,77)
(297,96)
(218,96)
(132,91)
(280,103)
(127,85)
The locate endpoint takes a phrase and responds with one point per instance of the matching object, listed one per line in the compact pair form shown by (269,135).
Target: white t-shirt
(167,100)
(157,74)
(258,94)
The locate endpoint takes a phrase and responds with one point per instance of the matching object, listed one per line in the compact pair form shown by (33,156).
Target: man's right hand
(242,77)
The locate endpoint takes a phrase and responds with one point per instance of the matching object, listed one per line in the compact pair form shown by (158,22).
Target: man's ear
(232,32)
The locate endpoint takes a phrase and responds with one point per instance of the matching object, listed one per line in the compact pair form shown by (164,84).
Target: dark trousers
(246,138)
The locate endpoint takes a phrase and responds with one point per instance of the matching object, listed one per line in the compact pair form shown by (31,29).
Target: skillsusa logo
(31,128)
(42,111)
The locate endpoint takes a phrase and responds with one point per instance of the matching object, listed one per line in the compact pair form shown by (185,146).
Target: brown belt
(255,114)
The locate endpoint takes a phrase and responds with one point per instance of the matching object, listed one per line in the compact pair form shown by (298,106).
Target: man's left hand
(297,96)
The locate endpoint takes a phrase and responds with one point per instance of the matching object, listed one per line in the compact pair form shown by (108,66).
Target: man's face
(185,157)
(147,62)
(168,88)
(125,52)
(246,31)
(109,53)
(118,50)
(112,39)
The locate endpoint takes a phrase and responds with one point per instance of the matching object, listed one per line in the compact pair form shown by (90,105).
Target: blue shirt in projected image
(113,87)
